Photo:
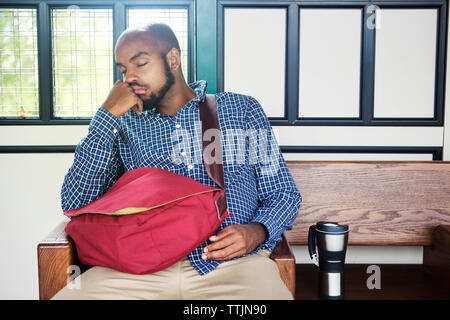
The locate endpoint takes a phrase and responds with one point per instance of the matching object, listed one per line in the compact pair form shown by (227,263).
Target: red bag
(145,232)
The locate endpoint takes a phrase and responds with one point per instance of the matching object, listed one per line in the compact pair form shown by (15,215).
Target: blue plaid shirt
(258,185)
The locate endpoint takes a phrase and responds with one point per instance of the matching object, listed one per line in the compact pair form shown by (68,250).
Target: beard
(154,100)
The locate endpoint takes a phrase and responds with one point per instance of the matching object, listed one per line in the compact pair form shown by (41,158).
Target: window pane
(260,72)
(330,50)
(82,60)
(19,92)
(177,19)
(405,63)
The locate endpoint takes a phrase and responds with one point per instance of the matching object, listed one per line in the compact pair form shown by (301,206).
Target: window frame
(44,40)
(367,64)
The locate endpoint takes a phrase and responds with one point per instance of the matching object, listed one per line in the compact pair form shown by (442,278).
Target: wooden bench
(384,203)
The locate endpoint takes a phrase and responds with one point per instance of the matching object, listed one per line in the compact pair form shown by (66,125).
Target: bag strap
(210,120)
(213,163)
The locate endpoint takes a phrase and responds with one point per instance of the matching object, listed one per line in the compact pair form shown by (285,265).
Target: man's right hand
(122,98)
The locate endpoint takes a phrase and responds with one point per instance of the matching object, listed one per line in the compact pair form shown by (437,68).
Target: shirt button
(183,153)
(178,125)
(115,130)
(190,166)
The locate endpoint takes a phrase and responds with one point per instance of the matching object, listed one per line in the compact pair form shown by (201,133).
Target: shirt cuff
(104,125)
(271,232)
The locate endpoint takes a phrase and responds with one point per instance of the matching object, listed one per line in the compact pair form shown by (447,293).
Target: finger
(126,84)
(220,244)
(135,108)
(223,254)
(138,106)
(223,233)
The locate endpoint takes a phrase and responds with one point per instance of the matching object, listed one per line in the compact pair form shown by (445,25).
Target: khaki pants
(252,277)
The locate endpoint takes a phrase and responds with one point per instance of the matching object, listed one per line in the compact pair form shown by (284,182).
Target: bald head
(159,35)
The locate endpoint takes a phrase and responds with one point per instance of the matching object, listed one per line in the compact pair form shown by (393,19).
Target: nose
(130,77)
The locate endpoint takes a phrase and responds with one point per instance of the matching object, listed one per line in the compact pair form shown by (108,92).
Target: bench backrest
(384,203)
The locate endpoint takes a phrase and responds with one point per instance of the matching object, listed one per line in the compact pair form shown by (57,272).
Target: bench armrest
(55,254)
(436,258)
(285,260)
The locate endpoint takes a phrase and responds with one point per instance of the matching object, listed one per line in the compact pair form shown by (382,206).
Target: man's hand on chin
(235,240)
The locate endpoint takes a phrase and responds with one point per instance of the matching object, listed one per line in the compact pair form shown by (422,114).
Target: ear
(173,59)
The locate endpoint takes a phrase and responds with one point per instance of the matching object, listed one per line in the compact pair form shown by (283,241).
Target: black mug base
(321,297)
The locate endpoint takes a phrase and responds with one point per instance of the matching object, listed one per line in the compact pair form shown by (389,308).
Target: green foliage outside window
(82,57)
(19,93)
(82,60)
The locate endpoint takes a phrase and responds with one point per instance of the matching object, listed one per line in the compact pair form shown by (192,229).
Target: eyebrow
(137,55)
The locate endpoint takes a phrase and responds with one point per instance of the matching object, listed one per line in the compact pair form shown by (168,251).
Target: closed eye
(141,65)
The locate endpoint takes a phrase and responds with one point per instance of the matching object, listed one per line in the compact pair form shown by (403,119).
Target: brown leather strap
(210,120)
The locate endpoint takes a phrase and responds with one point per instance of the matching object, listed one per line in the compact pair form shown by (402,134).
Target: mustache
(137,85)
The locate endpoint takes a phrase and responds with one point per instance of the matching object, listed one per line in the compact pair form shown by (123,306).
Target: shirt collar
(199,88)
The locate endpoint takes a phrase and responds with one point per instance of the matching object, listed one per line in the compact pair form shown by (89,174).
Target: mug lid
(331,227)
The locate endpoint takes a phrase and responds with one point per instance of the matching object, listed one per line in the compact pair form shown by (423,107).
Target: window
(347,63)
(57,56)
(19,92)
(329,84)
(82,51)
(405,63)
(248,62)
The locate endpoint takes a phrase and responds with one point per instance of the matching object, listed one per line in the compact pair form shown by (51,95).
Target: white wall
(371,254)
(29,208)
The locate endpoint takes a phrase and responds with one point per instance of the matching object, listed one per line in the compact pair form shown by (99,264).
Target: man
(135,127)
